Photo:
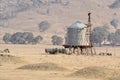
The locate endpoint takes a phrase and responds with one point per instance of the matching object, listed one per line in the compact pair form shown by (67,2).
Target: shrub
(28,36)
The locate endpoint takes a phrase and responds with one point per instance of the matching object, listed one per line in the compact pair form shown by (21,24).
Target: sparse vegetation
(117,35)
(43,67)
(111,38)
(95,73)
(113,78)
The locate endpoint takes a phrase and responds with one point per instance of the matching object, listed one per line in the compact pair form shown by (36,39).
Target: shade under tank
(76,34)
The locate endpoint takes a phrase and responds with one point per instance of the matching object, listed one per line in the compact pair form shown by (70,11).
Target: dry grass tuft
(113,78)
(96,72)
(43,67)
(5,58)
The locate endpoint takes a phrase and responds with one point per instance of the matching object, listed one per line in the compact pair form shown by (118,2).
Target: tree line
(101,35)
(22,38)
(28,38)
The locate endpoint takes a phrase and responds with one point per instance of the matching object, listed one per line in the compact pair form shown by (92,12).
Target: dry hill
(25,15)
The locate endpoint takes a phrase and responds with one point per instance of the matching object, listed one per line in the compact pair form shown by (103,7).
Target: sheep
(105,54)
(51,51)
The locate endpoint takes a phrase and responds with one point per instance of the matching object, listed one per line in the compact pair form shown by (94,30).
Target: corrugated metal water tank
(76,34)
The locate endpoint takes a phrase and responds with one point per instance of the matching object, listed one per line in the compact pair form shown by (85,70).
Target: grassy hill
(25,15)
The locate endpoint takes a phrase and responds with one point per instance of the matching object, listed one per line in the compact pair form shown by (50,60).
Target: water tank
(76,34)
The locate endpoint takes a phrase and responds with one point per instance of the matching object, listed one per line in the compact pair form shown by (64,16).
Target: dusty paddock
(34,54)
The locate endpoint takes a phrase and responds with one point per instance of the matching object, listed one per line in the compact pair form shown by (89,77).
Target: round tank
(76,34)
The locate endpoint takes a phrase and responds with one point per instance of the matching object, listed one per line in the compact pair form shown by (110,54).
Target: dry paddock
(29,62)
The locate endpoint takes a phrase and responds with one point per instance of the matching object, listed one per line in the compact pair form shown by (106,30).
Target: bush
(56,40)
(17,38)
(43,26)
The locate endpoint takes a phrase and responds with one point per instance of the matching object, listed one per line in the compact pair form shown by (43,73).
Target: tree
(114,23)
(99,35)
(112,39)
(44,25)
(117,35)
(56,40)
(22,38)
(7,37)
(17,38)
(28,36)
(37,39)
(115,4)
(25,38)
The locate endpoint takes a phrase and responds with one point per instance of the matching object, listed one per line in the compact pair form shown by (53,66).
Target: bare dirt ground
(29,62)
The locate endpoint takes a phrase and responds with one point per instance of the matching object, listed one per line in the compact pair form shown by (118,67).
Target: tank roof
(78,25)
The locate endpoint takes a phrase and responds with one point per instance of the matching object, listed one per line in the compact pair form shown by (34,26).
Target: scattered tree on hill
(37,3)
(117,35)
(114,23)
(37,40)
(17,38)
(56,40)
(106,26)
(28,36)
(115,4)
(99,35)
(112,39)
(43,26)
(7,37)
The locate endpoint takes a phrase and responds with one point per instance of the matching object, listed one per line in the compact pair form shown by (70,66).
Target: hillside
(25,15)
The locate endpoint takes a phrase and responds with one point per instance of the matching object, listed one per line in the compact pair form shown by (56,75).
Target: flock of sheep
(55,50)
(5,51)
(64,51)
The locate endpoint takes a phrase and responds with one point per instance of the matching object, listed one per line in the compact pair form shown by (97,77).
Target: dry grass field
(30,62)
